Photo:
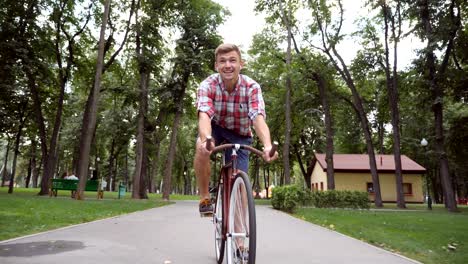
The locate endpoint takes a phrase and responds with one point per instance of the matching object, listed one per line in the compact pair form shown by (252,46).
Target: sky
(243,23)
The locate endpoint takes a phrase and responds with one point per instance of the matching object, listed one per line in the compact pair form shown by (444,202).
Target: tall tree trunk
(167,184)
(110,164)
(41,126)
(32,162)
(90,115)
(301,166)
(126,169)
(266,182)
(144,173)
(359,108)
(432,77)
(256,174)
(22,120)
(179,87)
(188,180)
(370,148)
(381,135)
(322,87)
(155,164)
(5,163)
(323,94)
(144,71)
(329,48)
(392,88)
(35,171)
(28,177)
(64,73)
(157,146)
(287,104)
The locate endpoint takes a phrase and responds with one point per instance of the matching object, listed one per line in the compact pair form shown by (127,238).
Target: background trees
(319,98)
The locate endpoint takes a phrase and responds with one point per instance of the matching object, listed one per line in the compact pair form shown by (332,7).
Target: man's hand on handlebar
(270,154)
(206,146)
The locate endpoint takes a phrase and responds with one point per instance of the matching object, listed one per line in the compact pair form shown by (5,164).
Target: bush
(340,199)
(287,198)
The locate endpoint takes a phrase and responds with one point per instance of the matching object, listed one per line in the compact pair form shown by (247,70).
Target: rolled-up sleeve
(256,102)
(204,100)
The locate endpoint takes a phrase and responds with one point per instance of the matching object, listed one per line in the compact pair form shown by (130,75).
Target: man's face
(228,65)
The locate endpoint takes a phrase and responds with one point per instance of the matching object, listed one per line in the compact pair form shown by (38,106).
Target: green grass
(417,233)
(23,212)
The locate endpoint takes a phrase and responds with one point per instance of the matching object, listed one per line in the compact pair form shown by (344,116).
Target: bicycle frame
(226,178)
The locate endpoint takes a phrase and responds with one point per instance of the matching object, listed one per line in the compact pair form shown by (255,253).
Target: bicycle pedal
(207,214)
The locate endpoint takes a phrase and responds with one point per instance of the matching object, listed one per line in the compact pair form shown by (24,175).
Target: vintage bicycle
(234,209)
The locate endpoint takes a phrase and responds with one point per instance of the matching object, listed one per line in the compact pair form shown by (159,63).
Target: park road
(176,234)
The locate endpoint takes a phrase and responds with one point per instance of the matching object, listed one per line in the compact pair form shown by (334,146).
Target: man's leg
(202,167)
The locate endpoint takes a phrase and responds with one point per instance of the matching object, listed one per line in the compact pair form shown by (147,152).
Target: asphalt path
(175,234)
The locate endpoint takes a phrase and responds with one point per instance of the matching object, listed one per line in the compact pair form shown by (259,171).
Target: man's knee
(201,162)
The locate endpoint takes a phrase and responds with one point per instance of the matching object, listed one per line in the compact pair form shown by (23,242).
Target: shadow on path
(39,248)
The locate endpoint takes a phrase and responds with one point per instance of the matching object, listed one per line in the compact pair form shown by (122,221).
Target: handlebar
(246,147)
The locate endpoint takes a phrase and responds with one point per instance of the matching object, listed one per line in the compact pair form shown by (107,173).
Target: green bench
(72,185)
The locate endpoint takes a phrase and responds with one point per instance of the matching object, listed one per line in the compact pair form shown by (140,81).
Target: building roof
(360,163)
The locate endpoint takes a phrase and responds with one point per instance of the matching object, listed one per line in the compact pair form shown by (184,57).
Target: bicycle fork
(229,176)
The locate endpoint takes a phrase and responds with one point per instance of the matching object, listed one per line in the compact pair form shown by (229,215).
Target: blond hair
(225,48)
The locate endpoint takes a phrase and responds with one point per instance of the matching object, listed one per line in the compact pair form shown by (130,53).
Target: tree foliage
(48,56)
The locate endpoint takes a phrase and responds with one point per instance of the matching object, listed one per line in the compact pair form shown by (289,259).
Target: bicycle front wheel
(242,234)
(218,223)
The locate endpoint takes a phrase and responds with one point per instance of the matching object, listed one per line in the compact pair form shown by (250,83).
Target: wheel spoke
(218,222)
(241,244)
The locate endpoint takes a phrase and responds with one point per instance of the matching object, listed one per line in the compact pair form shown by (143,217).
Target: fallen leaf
(451,247)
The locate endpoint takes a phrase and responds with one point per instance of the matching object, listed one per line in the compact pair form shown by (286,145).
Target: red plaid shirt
(234,111)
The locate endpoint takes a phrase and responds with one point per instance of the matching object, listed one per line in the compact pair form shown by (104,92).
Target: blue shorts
(222,135)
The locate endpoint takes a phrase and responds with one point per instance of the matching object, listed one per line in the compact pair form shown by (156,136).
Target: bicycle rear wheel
(242,236)
(218,223)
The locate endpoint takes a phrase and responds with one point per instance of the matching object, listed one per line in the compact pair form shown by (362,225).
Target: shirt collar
(221,83)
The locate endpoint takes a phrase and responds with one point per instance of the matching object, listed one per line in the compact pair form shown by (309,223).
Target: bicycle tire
(242,235)
(218,223)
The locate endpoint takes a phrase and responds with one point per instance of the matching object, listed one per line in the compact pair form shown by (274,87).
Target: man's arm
(263,133)
(204,126)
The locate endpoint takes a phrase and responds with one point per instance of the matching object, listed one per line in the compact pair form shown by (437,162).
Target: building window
(407,189)
(370,187)
(321,186)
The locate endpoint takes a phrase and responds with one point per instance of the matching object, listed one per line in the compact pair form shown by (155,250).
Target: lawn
(23,212)
(435,236)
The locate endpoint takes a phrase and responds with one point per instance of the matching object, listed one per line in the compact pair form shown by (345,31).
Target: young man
(228,103)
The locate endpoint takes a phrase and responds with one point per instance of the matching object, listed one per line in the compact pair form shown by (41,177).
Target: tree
(89,122)
(22,117)
(139,184)
(329,40)
(392,28)
(286,15)
(431,17)
(194,56)
(149,54)
(62,13)
(318,75)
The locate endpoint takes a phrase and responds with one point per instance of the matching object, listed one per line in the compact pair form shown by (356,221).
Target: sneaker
(242,255)
(206,208)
